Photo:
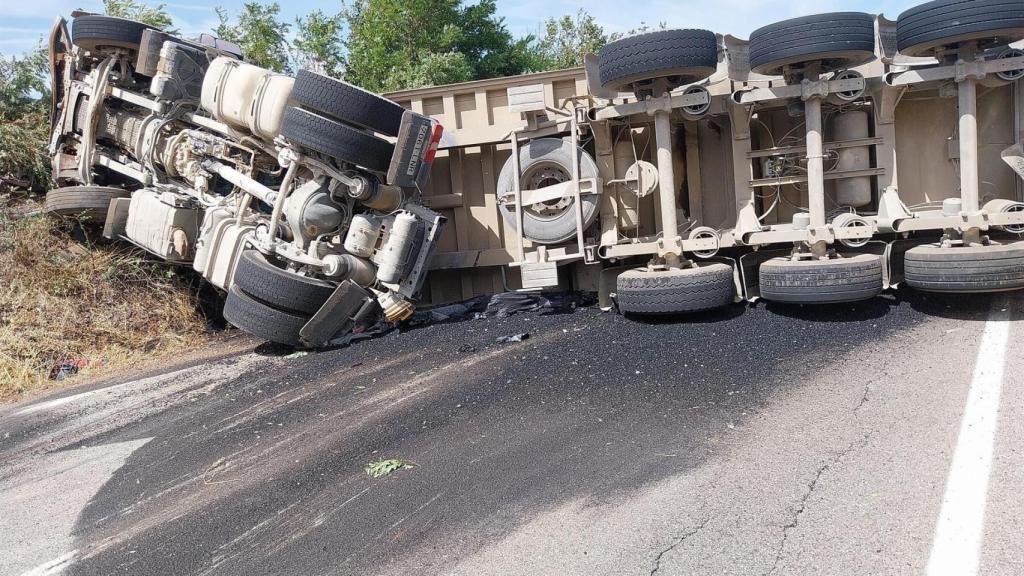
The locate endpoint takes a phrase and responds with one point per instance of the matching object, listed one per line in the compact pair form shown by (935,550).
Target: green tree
(24,121)
(318,44)
(642,28)
(155,16)
(567,40)
(395,44)
(260,34)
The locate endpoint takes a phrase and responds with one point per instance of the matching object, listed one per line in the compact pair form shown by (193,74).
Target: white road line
(53,567)
(957,545)
(54,403)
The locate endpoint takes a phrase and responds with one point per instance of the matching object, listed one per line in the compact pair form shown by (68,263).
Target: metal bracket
(974,69)
(692,97)
(814,89)
(886,99)
(739,116)
(961,70)
(805,90)
(587,186)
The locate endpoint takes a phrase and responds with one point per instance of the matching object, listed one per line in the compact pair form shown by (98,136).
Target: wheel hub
(541,177)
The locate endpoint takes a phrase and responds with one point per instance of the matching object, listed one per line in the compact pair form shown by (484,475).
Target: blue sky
(23,22)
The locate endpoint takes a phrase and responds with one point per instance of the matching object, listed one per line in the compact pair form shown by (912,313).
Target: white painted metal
(269,101)
(363,232)
(391,260)
(666,188)
(283,191)
(228,88)
(967,92)
(852,125)
(160,223)
(220,244)
(815,162)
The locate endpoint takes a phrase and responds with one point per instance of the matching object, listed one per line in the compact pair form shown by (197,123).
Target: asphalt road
(758,440)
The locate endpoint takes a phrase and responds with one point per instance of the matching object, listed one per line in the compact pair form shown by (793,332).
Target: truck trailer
(823,160)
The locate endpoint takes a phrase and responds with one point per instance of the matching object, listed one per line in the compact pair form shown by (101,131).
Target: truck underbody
(721,170)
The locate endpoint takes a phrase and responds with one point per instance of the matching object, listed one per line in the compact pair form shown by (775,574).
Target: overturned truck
(678,171)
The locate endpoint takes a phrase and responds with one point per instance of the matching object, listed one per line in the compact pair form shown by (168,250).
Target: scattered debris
(69,368)
(298,354)
(514,338)
(382,468)
(467,348)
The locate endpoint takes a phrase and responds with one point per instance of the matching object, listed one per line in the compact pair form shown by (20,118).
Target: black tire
(675,290)
(948,22)
(843,279)
(343,101)
(93,32)
(688,55)
(837,40)
(556,154)
(279,288)
(262,321)
(90,202)
(319,134)
(994,268)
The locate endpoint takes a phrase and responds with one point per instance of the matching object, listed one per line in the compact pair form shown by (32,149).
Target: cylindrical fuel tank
(269,101)
(228,89)
(851,126)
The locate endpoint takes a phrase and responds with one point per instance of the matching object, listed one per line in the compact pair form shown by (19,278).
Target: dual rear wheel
(341,121)
(271,302)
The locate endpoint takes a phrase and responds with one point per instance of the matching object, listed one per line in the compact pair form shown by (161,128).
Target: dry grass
(65,300)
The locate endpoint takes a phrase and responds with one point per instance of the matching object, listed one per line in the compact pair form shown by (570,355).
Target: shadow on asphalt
(872,309)
(725,314)
(954,306)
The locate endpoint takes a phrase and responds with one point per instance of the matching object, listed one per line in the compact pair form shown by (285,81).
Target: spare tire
(837,40)
(543,162)
(948,22)
(263,321)
(992,268)
(346,102)
(92,32)
(273,285)
(346,143)
(841,279)
(676,290)
(684,56)
(88,202)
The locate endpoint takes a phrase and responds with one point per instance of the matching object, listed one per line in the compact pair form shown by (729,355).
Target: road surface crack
(679,540)
(811,486)
(864,398)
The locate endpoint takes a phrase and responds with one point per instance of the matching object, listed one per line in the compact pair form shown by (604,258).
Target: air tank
(393,258)
(853,125)
(362,236)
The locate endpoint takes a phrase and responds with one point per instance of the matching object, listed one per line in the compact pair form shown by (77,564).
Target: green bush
(24,122)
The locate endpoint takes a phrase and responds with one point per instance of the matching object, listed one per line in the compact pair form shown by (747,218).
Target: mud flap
(418,138)
(349,306)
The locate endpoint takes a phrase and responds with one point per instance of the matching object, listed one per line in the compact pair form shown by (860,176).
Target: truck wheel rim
(540,176)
